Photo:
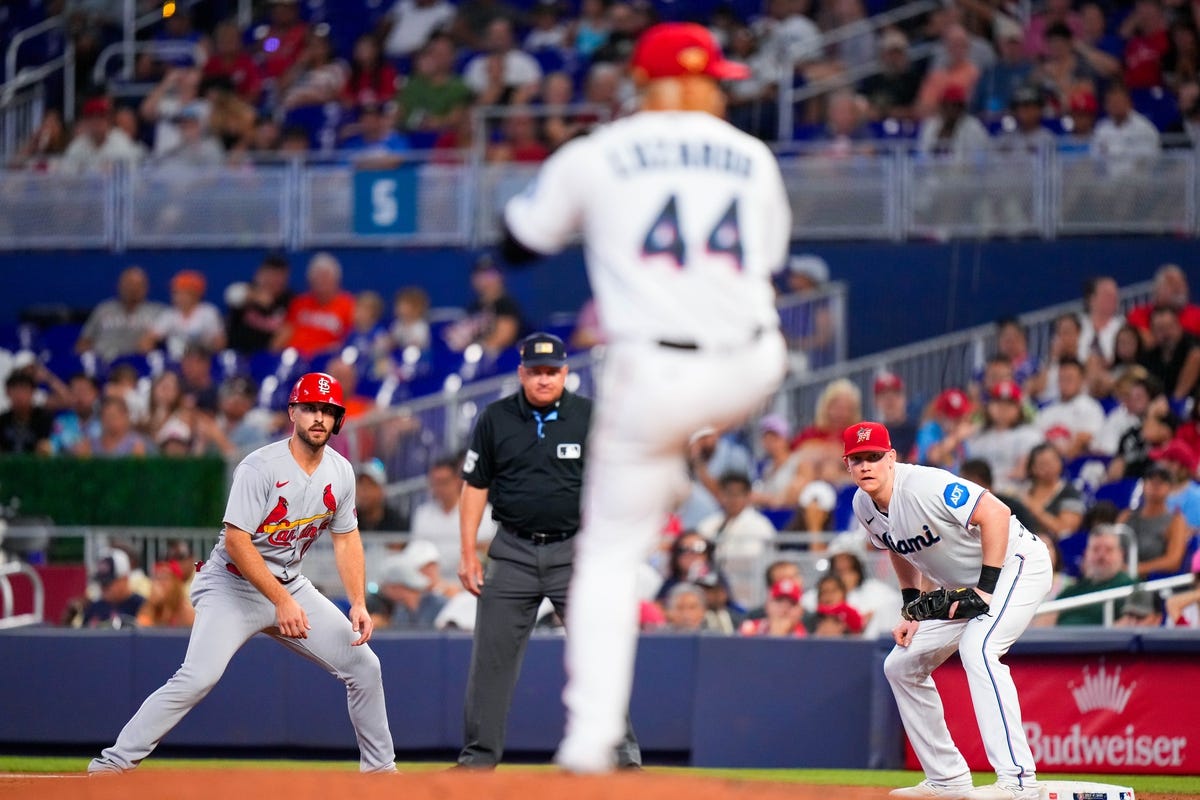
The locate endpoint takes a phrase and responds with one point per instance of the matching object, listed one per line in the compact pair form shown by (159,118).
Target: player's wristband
(908,595)
(988,576)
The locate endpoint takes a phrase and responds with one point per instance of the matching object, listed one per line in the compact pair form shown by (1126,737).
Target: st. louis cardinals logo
(283,532)
(323,385)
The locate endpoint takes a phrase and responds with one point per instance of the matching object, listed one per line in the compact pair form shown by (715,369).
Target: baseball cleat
(928,790)
(1005,791)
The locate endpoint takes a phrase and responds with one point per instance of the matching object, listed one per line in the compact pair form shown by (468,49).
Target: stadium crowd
(376,80)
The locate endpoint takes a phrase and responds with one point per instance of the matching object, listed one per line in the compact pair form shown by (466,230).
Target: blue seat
(779,516)
(1120,493)
(1072,547)
(843,509)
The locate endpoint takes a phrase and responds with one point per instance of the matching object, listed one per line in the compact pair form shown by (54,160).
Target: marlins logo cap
(864,437)
(677,49)
(543,350)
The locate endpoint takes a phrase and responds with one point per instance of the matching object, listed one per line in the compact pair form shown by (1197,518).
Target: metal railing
(891,193)
(127,50)
(9,618)
(1108,597)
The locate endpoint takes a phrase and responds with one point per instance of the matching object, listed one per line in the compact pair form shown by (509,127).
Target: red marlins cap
(888,382)
(953,403)
(1006,390)
(864,437)
(676,49)
(786,589)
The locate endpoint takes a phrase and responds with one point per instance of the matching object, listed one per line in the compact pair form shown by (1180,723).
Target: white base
(1083,790)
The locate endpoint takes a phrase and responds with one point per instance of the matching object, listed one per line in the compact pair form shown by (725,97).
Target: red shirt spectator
(285,39)
(1147,41)
(1170,289)
(230,60)
(372,80)
(320,319)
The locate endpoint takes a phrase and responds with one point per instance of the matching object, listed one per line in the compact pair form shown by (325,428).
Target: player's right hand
(291,619)
(904,630)
(470,573)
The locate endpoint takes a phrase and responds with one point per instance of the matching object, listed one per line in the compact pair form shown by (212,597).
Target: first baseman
(987,575)
(284,496)
(684,219)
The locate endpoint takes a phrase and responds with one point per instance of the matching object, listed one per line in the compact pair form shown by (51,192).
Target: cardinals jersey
(285,510)
(928,523)
(684,218)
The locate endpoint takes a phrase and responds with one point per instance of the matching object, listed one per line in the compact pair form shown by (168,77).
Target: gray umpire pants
(519,574)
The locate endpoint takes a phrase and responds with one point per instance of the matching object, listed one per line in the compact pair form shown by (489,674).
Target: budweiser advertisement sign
(1118,714)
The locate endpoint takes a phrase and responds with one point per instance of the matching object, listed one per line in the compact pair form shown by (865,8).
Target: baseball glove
(941,604)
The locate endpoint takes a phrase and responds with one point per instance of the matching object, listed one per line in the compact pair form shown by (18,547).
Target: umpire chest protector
(531,461)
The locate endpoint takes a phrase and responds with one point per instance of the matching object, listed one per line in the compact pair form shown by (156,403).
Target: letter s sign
(385,201)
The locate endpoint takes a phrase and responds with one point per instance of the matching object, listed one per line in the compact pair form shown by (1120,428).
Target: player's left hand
(362,623)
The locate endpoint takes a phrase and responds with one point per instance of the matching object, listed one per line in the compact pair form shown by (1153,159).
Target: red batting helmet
(320,387)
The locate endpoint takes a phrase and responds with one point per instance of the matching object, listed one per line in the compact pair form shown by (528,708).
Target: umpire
(526,457)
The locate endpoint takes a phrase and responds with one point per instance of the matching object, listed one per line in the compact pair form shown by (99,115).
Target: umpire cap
(543,350)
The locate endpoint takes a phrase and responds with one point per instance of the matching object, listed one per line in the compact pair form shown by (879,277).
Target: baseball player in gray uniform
(283,497)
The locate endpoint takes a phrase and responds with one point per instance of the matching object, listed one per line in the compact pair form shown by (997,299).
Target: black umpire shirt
(533,482)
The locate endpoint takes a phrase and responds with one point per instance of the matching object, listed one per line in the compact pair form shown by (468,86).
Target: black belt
(673,344)
(541,537)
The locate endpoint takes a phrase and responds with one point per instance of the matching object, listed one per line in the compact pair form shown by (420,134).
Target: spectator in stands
(48,141)
(685,607)
(410,320)
(1080,122)
(813,332)
(978,471)
(740,532)
(1043,387)
(97,142)
(1174,357)
(829,593)
(196,147)
(626,22)
(230,60)
(1161,533)
(166,403)
(1124,141)
(776,571)
(1101,49)
(838,406)
(1100,320)
(1055,503)
(1188,431)
(876,602)
(857,48)
(1142,609)
(320,319)
(784,615)
(691,557)
(1181,460)
(1005,439)
(722,614)
(372,80)
(1155,429)
(891,408)
(425,556)
(258,309)
(502,74)
(188,321)
(1146,43)
(474,18)
(1012,343)
(519,142)
(1131,392)
(164,105)
(1103,568)
(415,606)
(374,512)
(231,120)
(787,37)
(117,437)
(409,24)
(357,404)
(436,519)
(1189,109)
(1170,289)
(240,426)
(494,320)
(892,92)
(590,29)
(283,42)
(952,82)
(168,604)
(1056,12)
(951,132)
(1181,63)
(370,338)
(993,94)
(118,605)
(1183,607)
(434,98)
(558,128)
(316,78)
(75,424)
(547,30)
(777,485)
(1072,421)
(941,435)
(24,427)
(377,145)
(837,620)
(846,132)
(1062,71)
(752,104)
(196,379)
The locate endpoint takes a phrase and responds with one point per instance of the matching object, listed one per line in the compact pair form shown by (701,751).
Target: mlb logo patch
(570,451)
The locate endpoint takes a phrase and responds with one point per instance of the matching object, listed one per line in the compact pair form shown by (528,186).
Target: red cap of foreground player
(864,437)
(676,49)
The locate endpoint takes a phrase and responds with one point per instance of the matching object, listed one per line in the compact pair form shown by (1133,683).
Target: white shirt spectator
(83,154)
(413,23)
(1115,424)
(741,542)
(1123,145)
(1105,338)
(1081,414)
(1005,451)
(432,523)
(788,42)
(203,327)
(969,138)
(520,69)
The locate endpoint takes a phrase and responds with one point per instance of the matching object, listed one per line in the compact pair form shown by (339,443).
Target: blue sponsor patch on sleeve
(956,495)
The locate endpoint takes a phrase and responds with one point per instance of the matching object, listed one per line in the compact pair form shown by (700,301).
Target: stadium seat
(1123,493)
(779,516)
(843,510)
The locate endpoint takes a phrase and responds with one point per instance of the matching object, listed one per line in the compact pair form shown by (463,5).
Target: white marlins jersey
(284,509)
(928,524)
(684,217)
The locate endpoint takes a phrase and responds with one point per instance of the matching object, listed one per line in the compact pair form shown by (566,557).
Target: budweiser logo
(1101,691)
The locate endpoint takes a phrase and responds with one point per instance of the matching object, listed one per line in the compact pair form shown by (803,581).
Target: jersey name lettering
(674,155)
(914,544)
